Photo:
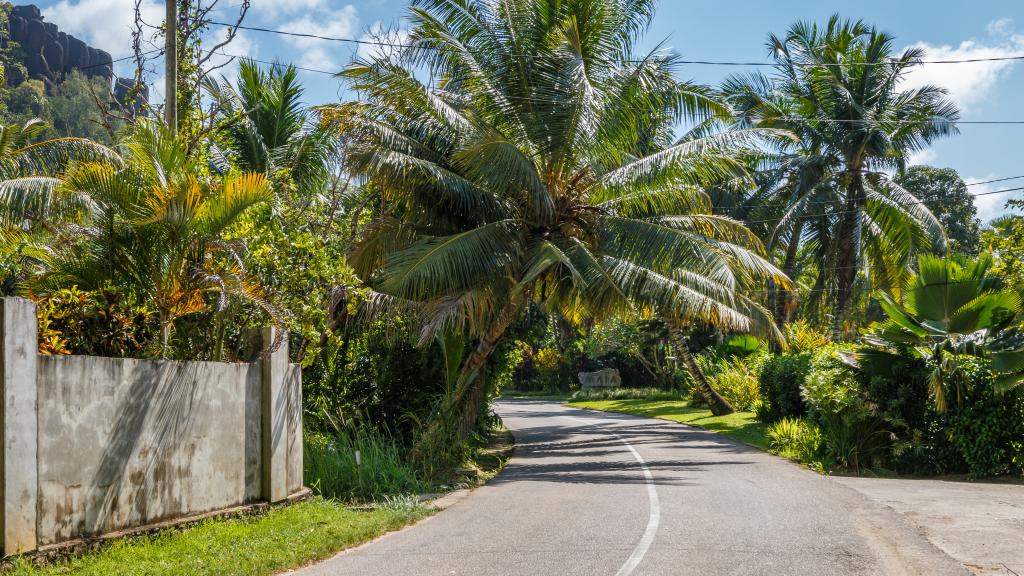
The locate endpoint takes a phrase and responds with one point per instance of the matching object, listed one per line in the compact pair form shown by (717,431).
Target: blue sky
(734,30)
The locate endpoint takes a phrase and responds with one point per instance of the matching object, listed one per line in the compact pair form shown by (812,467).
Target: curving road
(589,494)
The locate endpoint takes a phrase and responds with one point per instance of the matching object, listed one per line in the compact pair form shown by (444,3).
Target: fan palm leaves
(839,88)
(954,308)
(541,165)
(154,227)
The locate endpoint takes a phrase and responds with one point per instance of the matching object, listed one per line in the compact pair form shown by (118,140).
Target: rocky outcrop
(50,53)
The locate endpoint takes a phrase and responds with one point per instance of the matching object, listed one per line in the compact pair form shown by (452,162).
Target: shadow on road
(596,453)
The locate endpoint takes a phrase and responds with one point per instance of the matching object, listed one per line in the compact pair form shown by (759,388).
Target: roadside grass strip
(287,537)
(741,426)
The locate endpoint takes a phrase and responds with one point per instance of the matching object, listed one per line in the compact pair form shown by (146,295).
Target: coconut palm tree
(541,166)
(839,88)
(154,227)
(953,308)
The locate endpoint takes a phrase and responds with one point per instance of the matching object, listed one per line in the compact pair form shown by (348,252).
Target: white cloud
(1000,27)
(970,83)
(322,21)
(382,37)
(926,156)
(108,25)
(242,46)
(271,10)
(103,24)
(990,205)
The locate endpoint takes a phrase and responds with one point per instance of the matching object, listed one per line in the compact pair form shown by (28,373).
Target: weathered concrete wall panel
(293,383)
(90,446)
(18,363)
(124,443)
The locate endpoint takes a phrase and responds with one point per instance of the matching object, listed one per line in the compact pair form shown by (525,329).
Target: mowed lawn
(287,537)
(740,426)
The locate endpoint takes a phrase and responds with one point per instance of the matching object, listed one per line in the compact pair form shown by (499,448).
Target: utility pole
(171,61)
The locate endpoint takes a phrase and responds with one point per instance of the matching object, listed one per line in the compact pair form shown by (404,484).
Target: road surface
(589,494)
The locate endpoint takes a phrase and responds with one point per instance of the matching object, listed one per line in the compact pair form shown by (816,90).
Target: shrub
(986,427)
(738,383)
(831,387)
(795,438)
(333,469)
(743,345)
(802,337)
(853,434)
(99,323)
(378,376)
(548,365)
(779,383)
(652,394)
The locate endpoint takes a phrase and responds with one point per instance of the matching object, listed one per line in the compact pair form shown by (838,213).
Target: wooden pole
(171,68)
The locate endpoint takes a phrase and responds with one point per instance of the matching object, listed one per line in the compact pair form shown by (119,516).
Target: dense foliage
(554,202)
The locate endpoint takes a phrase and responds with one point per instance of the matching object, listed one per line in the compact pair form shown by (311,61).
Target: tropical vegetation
(757,257)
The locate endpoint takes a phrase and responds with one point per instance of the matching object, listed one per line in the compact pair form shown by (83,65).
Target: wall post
(18,413)
(274,418)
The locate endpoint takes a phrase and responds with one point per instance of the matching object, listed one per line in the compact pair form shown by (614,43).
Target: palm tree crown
(541,163)
(839,88)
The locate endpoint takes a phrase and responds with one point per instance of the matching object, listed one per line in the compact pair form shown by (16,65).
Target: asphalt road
(589,494)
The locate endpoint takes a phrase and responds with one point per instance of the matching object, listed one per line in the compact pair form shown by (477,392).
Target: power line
(841,212)
(991,192)
(270,63)
(112,62)
(379,43)
(994,181)
(699,118)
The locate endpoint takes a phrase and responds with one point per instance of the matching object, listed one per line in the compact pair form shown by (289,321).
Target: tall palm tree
(838,87)
(268,129)
(154,227)
(541,166)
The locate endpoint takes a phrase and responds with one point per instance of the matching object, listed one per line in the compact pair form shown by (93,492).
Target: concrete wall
(119,444)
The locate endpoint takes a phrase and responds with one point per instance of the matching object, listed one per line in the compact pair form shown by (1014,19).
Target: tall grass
(378,473)
(796,439)
(737,381)
(652,394)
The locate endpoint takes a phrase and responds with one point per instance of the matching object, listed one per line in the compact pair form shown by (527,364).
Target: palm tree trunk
(718,404)
(789,268)
(469,389)
(166,325)
(849,251)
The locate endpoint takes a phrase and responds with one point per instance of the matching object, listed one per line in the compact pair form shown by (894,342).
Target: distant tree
(23,102)
(1004,238)
(70,110)
(946,195)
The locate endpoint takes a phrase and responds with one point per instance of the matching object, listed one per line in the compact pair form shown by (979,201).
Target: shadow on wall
(126,443)
(170,400)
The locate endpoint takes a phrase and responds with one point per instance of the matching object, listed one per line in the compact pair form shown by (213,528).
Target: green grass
(742,426)
(287,537)
(649,394)
(332,470)
(527,395)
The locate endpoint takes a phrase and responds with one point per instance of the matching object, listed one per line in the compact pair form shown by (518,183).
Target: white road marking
(652,495)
